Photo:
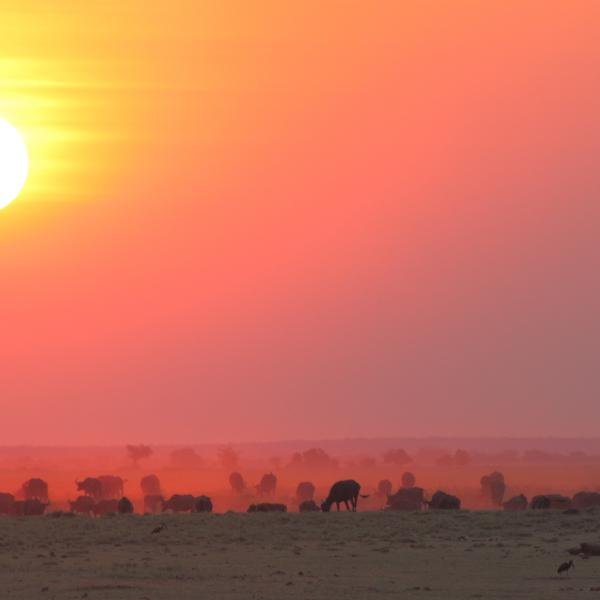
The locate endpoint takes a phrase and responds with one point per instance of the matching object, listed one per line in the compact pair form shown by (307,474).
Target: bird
(159,528)
(565,567)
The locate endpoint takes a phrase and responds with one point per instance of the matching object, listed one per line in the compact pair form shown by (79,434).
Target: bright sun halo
(14,163)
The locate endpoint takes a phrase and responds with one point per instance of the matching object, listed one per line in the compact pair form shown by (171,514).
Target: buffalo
(237,483)
(267,485)
(35,489)
(305,491)
(125,506)
(106,507)
(90,486)
(411,498)
(308,506)
(384,488)
(267,507)
(342,491)
(443,501)
(32,507)
(153,503)
(203,504)
(7,504)
(112,486)
(550,502)
(493,487)
(586,500)
(150,485)
(408,480)
(516,503)
(180,503)
(82,505)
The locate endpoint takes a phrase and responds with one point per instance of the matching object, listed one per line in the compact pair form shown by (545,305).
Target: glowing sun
(14,163)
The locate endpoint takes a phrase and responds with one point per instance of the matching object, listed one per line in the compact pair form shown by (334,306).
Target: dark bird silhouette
(159,528)
(565,567)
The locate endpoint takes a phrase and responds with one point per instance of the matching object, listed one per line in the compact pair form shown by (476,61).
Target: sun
(14,163)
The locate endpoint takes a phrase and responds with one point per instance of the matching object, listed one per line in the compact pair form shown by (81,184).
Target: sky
(274,220)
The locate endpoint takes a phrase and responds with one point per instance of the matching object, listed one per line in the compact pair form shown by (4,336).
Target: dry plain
(365,555)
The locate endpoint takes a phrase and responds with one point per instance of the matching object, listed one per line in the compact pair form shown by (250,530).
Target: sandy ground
(267,556)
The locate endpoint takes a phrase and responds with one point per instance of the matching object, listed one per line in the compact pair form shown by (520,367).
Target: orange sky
(251,220)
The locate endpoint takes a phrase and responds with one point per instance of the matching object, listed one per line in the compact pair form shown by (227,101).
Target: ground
(276,556)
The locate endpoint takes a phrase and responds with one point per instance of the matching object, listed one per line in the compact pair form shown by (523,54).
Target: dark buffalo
(267,485)
(493,487)
(586,500)
(516,503)
(412,498)
(83,505)
(342,491)
(106,507)
(203,504)
(112,486)
(7,504)
(125,506)
(32,507)
(408,480)
(150,485)
(550,502)
(153,503)
(180,503)
(237,483)
(384,488)
(267,507)
(90,486)
(305,491)
(35,489)
(309,506)
(443,501)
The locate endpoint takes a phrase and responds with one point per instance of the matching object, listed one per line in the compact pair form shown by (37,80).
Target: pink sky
(303,223)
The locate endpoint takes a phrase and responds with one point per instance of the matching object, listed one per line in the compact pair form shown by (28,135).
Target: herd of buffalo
(98,496)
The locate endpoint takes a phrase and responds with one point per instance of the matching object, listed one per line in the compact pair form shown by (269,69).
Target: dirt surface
(274,556)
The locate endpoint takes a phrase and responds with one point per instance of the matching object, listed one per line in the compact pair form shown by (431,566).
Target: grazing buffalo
(267,485)
(32,507)
(203,504)
(516,503)
(408,480)
(412,498)
(309,506)
(112,486)
(586,500)
(180,503)
(342,491)
(83,505)
(267,507)
(150,485)
(90,486)
(35,489)
(237,483)
(125,506)
(106,507)
(153,503)
(493,487)
(7,504)
(443,501)
(305,491)
(550,502)
(384,488)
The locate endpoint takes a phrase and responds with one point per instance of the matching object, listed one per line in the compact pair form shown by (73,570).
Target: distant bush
(396,456)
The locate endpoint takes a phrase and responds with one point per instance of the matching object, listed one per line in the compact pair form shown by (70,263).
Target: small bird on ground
(159,528)
(565,567)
